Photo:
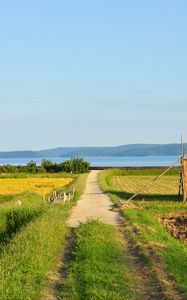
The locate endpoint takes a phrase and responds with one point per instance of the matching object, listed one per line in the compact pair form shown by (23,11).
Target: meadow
(32,231)
(144,229)
(139,259)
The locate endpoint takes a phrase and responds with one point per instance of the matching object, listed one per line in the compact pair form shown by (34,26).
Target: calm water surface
(104,161)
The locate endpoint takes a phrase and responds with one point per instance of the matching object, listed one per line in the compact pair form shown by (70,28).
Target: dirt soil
(176,225)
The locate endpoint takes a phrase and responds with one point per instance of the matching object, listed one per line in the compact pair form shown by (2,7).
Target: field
(33,234)
(153,224)
(41,186)
(167,185)
(145,257)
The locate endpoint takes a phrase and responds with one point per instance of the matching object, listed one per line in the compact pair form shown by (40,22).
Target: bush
(76,165)
(51,167)
(8,169)
(32,167)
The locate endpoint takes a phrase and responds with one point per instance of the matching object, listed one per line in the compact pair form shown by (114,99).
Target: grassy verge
(150,234)
(37,175)
(79,185)
(153,234)
(34,248)
(100,269)
(25,261)
(27,199)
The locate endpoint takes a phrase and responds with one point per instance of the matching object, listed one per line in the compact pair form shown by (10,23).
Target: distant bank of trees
(74,165)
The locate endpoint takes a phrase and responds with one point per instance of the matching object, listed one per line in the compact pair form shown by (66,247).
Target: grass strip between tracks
(100,268)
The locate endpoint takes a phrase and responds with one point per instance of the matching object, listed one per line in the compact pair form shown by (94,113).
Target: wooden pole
(183,170)
(182,146)
(181,183)
(184,178)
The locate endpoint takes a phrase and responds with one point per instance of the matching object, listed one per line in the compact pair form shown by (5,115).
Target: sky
(92,73)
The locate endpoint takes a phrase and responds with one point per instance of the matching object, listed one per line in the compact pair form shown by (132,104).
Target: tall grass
(25,261)
(34,248)
(100,269)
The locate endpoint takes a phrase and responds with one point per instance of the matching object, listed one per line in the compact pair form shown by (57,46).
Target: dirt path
(94,204)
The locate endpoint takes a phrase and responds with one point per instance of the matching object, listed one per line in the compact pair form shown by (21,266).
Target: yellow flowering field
(40,186)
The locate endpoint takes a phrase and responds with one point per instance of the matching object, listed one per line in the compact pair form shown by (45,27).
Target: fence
(61,197)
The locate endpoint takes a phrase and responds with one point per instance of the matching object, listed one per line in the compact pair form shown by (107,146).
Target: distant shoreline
(131,150)
(103,161)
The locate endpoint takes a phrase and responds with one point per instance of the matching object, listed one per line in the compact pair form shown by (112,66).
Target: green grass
(35,246)
(145,216)
(106,177)
(6,198)
(27,199)
(26,260)
(79,184)
(30,202)
(174,252)
(100,268)
(136,177)
(142,172)
(37,175)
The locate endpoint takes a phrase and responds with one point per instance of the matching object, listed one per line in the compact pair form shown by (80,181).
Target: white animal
(18,202)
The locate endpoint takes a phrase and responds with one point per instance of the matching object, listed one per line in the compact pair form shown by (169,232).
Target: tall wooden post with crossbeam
(183,173)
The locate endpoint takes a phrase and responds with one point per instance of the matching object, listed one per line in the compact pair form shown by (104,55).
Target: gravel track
(94,204)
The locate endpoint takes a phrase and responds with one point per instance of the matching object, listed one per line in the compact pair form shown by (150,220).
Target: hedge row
(75,165)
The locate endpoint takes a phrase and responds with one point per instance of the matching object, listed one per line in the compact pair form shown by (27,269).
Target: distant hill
(125,150)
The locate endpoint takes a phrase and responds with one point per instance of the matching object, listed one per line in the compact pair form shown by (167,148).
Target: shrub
(76,165)
(8,169)
(32,167)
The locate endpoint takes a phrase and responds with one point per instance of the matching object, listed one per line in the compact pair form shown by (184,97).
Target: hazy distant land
(118,151)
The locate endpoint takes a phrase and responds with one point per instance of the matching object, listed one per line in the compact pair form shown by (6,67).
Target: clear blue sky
(92,73)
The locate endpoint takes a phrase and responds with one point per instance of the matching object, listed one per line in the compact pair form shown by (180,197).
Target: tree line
(74,165)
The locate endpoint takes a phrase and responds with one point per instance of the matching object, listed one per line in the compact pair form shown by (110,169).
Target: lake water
(104,161)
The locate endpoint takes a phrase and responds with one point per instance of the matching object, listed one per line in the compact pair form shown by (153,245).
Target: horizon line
(115,146)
